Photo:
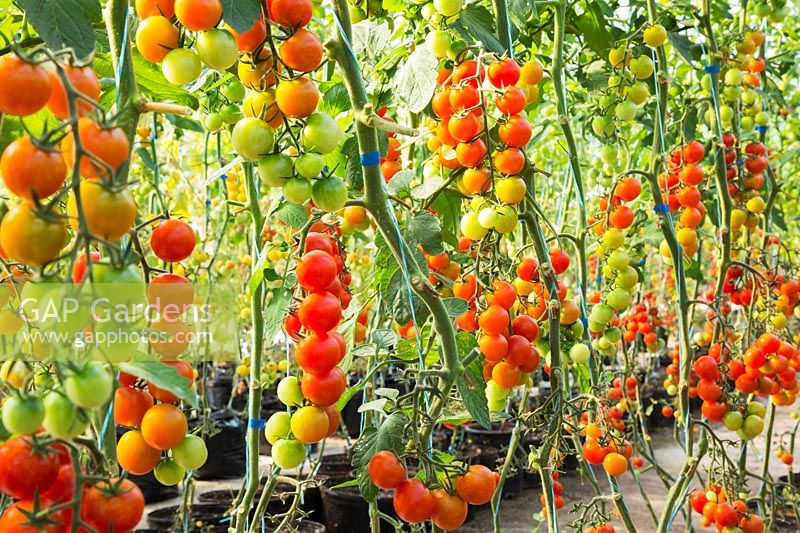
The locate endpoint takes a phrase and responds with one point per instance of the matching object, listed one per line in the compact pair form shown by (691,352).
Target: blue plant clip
(371,159)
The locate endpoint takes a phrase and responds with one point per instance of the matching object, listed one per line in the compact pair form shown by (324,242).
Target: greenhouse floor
(518,510)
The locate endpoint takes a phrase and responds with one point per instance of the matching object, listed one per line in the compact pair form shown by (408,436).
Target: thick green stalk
(253,479)
(376,202)
(513,444)
(557,371)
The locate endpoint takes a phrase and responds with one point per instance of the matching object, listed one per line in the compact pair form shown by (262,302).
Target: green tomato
(726,114)
(747,124)
(494,392)
(288,453)
(627,278)
(278,427)
(496,406)
(289,392)
(579,353)
(733,420)
(626,111)
(761,118)
(61,418)
(778,14)
(297,190)
(756,408)
(252,138)
(576,330)
(309,165)
(455,48)
(275,169)
(752,426)
(231,114)
(618,260)
(181,66)
(602,313)
(613,239)
(329,194)
(637,93)
(487,217)
(233,90)
(168,472)
(471,226)
(619,299)
(213,122)
(217,48)
(90,386)
(438,42)
(613,334)
(642,67)
(190,453)
(599,124)
(506,219)
(321,133)
(448,8)
(22,415)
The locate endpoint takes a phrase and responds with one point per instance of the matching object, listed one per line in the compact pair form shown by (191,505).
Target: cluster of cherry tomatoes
(462,139)
(157,428)
(320,273)
(415,503)
(391,163)
(36,169)
(506,344)
(600,448)
(740,83)
(682,193)
(41,477)
(642,320)
(717,509)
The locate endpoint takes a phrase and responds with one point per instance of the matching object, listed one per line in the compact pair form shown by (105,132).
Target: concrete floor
(518,510)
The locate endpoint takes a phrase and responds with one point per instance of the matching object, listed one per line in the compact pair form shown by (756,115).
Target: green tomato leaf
(415,81)
(64,23)
(291,214)
(594,27)
(455,306)
(470,383)
(388,436)
(424,229)
(241,14)
(477,23)
(164,377)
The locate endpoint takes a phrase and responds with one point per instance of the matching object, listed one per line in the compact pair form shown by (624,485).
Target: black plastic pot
(496,437)
(351,417)
(346,511)
(305,526)
(226,448)
(218,391)
(213,517)
(336,465)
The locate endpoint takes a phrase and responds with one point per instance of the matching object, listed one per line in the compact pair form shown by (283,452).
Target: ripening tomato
(24,470)
(130,405)
(151,8)
(320,312)
(693,152)
(515,132)
(451,511)
(309,424)
(386,471)
(135,455)
(297,97)
(477,485)
(504,72)
(83,80)
(29,238)
(324,389)
(116,506)
(318,353)
(173,240)
(494,320)
(108,145)
(615,464)
(509,161)
(155,38)
(109,212)
(249,41)
(29,170)
(413,501)
(198,15)
(163,426)
(316,270)
(560,260)
(290,13)
(26,87)
(512,101)
(16,518)
(302,51)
